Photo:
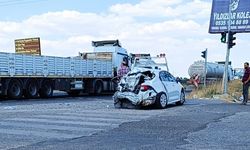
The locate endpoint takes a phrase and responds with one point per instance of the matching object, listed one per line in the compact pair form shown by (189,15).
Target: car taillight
(145,87)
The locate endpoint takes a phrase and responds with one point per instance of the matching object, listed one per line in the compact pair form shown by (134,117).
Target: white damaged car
(144,86)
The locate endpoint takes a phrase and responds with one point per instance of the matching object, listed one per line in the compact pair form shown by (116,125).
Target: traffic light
(223,38)
(231,39)
(204,54)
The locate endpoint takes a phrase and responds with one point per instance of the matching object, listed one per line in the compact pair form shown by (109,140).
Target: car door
(167,84)
(175,87)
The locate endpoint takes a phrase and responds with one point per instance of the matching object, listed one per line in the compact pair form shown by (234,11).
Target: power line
(9,1)
(18,2)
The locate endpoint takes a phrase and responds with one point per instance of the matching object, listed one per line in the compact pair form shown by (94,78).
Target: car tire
(161,100)
(117,102)
(182,99)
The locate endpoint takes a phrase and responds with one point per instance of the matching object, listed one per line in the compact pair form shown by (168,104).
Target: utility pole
(225,76)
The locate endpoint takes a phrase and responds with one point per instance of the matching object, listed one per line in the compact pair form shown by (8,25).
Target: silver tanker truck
(215,71)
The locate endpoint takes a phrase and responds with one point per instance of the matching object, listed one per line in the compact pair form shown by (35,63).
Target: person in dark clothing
(246,82)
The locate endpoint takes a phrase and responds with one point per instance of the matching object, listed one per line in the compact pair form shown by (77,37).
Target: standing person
(123,69)
(246,83)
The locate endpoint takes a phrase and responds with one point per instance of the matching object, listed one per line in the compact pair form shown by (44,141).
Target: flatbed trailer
(31,76)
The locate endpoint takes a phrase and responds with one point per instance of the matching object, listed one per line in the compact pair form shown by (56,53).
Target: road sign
(28,46)
(240,16)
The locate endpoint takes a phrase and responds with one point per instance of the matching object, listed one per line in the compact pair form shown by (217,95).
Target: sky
(178,28)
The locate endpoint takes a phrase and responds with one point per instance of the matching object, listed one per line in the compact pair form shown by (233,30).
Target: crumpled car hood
(135,78)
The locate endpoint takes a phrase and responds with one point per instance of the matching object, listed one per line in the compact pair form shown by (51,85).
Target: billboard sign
(28,46)
(240,16)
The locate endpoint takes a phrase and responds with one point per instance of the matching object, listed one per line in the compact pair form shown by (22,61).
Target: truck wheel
(98,87)
(74,93)
(31,89)
(15,89)
(46,90)
(161,100)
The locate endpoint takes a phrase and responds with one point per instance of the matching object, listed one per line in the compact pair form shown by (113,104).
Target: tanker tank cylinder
(214,70)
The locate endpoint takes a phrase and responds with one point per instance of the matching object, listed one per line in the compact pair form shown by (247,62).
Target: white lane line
(47,127)
(100,124)
(48,134)
(83,118)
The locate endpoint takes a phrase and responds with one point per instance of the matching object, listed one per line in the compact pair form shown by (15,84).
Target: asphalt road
(92,123)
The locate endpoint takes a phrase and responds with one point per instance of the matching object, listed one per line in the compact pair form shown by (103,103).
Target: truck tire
(15,89)
(46,90)
(73,93)
(98,87)
(31,89)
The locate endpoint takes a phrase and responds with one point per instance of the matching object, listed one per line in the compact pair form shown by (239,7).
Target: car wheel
(161,100)
(182,99)
(117,102)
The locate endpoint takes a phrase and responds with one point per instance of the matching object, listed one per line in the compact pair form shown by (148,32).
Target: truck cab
(111,46)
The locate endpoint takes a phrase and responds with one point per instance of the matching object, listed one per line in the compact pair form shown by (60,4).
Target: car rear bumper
(143,98)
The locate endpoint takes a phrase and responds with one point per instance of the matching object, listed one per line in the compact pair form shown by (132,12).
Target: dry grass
(214,91)
(235,89)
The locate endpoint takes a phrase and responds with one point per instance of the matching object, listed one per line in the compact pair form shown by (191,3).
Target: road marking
(84,118)
(85,122)
(27,124)
(8,124)
(74,122)
(44,134)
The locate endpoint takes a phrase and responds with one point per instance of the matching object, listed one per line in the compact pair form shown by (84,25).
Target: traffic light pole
(225,77)
(205,70)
